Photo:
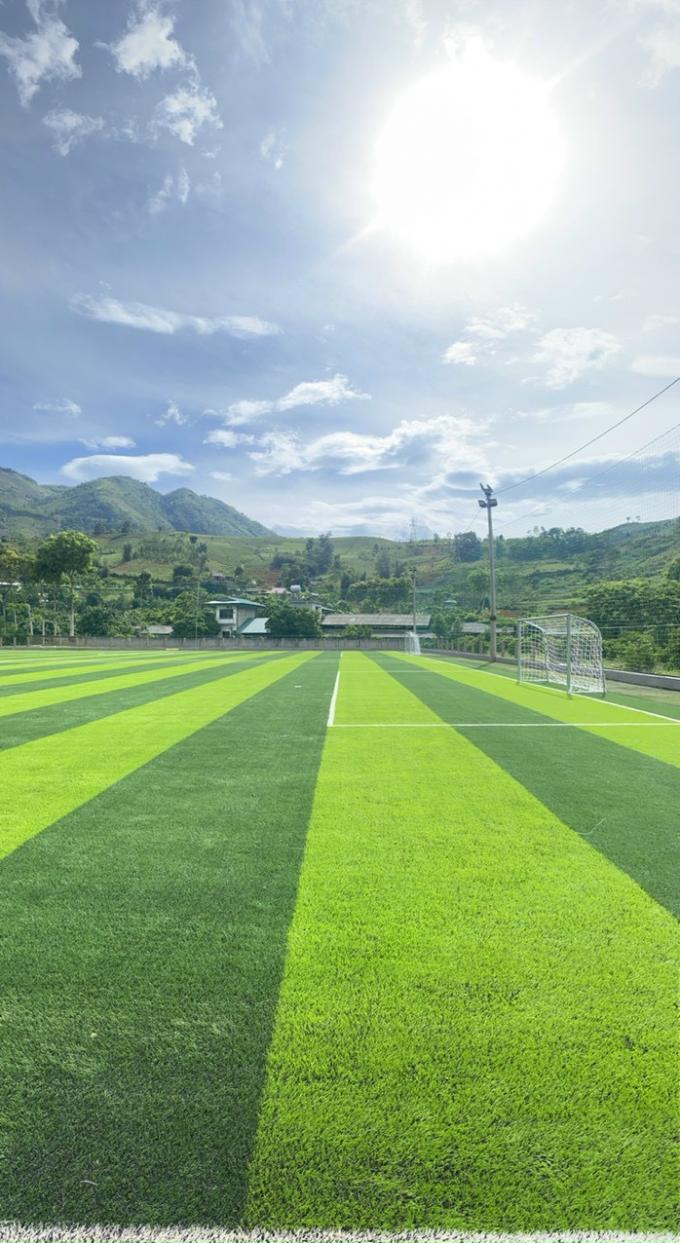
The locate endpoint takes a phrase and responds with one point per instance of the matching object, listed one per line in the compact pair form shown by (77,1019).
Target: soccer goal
(412,643)
(563,650)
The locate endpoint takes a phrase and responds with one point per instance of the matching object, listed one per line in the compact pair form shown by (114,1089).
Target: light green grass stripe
(661,742)
(29,700)
(42,781)
(73,670)
(475,1029)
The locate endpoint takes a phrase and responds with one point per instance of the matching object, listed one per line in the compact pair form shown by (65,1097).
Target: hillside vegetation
(116,503)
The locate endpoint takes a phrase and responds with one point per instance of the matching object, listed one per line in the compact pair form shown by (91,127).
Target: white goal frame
(412,642)
(561,649)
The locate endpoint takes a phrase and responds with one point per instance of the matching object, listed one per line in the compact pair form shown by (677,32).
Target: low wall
(324,644)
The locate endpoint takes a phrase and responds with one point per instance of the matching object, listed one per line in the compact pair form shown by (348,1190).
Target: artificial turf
(25,726)
(476,1020)
(585,780)
(91,757)
(141,951)
(472,1028)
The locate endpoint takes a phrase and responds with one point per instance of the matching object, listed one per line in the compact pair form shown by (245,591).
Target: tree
(65,556)
(191,619)
(467,546)
(357,631)
(127,552)
(673,571)
(287,621)
(382,563)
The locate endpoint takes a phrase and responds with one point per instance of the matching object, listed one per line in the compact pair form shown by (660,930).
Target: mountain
(30,508)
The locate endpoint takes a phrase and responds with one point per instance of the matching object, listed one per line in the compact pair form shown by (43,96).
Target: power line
(567,457)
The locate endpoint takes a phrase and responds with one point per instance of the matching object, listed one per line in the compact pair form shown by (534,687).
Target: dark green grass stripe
(142,942)
(642,698)
(72,678)
(27,726)
(624,803)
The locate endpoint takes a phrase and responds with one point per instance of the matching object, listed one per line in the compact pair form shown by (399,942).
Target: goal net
(563,650)
(412,643)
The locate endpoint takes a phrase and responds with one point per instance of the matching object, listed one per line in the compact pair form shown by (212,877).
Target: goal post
(412,643)
(561,650)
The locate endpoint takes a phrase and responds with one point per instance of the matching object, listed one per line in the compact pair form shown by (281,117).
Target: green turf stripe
(26,701)
(625,804)
(65,681)
(656,738)
(475,1028)
(28,726)
(141,955)
(79,672)
(44,780)
(630,695)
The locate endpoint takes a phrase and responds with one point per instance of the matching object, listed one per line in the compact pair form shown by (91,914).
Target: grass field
(301,942)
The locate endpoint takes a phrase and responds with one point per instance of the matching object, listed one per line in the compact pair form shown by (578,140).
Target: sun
(469,159)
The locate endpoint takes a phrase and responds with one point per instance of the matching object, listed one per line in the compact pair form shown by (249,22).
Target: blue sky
(335,261)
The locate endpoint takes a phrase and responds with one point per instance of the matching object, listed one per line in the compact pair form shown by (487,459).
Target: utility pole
(489,504)
(415,629)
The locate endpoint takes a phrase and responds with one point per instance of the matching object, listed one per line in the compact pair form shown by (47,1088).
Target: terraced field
(293,941)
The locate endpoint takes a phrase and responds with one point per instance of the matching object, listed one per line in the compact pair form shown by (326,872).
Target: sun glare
(468,161)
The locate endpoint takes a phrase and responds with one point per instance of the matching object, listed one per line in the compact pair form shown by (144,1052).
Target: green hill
(28,509)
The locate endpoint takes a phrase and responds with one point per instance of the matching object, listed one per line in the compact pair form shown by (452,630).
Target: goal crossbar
(561,649)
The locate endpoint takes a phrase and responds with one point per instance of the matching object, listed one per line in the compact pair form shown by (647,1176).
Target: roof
(159,630)
(474,628)
(257,625)
(376,619)
(253,604)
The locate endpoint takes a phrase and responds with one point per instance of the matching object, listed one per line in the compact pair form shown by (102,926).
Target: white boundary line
(508,724)
(553,689)
(331,710)
(16,1232)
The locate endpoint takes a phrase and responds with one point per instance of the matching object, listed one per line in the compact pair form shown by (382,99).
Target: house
(233,613)
(383,625)
(257,628)
(159,632)
(474,628)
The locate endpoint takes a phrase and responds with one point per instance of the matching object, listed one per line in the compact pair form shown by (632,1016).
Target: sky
(336,262)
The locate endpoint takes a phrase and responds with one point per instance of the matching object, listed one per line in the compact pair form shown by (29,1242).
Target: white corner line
(17,1232)
(334,700)
(508,724)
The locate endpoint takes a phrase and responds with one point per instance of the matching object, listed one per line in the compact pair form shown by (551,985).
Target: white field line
(334,700)
(510,724)
(553,689)
(16,1232)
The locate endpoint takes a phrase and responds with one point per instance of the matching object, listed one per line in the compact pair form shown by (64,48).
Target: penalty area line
(507,724)
(334,700)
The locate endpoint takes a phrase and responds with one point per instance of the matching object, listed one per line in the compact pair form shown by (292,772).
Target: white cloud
(568,413)
(147,318)
(222,476)
(174,189)
(46,54)
(173,414)
(187,111)
(247,19)
(148,43)
(63,406)
(146,468)
(655,322)
(664,366)
(308,393)
(571,352)
(461,352)
(449,440)
(662,45)
(482,334)
(272,148)
(109,442)
(227,439)
(71,127)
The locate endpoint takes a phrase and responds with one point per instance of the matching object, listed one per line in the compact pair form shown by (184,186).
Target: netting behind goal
(412,643)
(562,650)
